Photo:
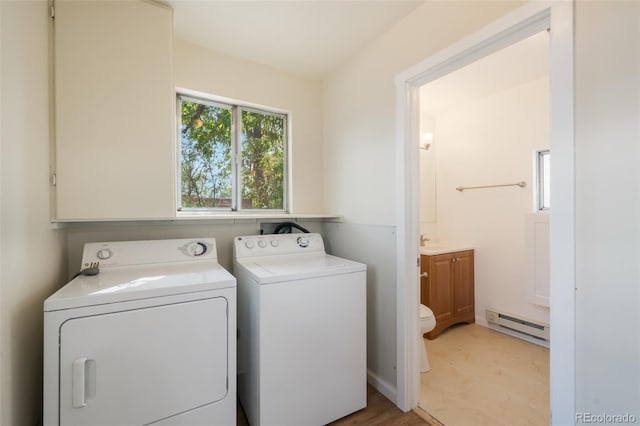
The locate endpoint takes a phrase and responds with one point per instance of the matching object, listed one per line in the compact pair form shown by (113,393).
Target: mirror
(428,199)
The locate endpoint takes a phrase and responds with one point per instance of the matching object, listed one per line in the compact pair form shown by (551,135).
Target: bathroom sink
(432,250)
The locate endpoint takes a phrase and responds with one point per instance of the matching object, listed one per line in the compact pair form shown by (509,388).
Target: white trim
(539,180)
(407,300)
(382,386)
(189,217)
(236,107)
(229,101)
(509,29)
(517,25)
(562,241)
(2,356)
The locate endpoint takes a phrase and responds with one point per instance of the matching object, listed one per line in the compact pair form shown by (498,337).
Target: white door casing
(508,30)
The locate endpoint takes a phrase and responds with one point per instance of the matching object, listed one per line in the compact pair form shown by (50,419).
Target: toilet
(427,323)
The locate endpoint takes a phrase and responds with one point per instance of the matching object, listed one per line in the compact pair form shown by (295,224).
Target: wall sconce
(427,140)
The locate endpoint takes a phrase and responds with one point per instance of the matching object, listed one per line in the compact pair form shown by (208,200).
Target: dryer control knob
(198,248)
(249,244)
(104,254)
(262,243)
(275,243)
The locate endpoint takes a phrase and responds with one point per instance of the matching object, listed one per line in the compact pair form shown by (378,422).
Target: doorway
(516,26)
(480,127)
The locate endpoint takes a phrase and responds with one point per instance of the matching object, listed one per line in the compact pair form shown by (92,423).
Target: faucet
(424,239)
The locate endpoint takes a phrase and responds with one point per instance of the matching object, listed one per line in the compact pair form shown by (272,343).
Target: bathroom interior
(484,133)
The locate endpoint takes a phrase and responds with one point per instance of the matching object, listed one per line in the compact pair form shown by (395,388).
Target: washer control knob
(262,243)
(303,242)
(104,254)
(249,244)
(275,243)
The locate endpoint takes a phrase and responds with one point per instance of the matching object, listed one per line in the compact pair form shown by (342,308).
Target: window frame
(540,155)
(236,107)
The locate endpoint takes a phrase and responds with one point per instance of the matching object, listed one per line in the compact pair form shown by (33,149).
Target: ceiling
(308,37)
(512,66)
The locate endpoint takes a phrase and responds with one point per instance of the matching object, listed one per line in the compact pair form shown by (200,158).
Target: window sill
(185,217)
(192,215)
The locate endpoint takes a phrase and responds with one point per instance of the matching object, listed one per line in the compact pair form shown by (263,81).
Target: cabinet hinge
(52,10)
(418,261)
(53,179)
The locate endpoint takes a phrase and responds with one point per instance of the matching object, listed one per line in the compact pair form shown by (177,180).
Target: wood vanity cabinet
(448,289)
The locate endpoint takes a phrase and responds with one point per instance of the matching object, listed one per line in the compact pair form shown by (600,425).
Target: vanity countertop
(434,249)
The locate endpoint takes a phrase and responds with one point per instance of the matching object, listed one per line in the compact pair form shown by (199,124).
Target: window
(543,179)
(213,135)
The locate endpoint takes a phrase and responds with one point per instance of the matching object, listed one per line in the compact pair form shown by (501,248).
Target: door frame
(513,27)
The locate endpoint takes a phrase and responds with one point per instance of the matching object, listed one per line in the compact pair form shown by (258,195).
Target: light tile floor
(482,377)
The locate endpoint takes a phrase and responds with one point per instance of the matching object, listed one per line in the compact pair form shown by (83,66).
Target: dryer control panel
(128,253)
(277,244)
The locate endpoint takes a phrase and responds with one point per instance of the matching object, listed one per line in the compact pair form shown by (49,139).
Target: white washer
(151,339)
(302,331)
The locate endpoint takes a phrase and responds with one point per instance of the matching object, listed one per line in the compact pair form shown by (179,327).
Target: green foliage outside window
(263,160)
(207,147)
(206,155)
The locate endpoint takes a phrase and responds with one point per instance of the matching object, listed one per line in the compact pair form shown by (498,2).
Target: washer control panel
(127,253)
(277,244)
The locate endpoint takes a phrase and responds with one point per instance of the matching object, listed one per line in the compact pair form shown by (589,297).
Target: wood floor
(379,412)
(481,377)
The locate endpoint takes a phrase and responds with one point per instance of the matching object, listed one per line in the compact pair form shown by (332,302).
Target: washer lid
(140,282)
(273,269)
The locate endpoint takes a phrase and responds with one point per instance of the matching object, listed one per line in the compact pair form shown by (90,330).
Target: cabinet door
(463,282)
(440,287)
(114,110)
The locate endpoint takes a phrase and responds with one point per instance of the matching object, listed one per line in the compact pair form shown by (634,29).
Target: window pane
(205,137)
(544,180)
(263,142)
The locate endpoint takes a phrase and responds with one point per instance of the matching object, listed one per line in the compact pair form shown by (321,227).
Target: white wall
(359,105)
(368,244)
(488,141)
(607,38)
(204,70)
(359,136)
(32,253)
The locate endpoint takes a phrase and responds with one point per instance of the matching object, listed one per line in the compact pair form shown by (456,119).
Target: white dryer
(302,331)
(151,339)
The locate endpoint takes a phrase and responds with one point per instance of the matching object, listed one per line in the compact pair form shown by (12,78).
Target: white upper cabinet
(114,110)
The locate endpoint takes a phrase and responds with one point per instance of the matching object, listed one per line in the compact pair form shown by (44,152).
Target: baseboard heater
(518,325)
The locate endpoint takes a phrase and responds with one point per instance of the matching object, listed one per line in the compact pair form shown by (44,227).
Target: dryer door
(140,366)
